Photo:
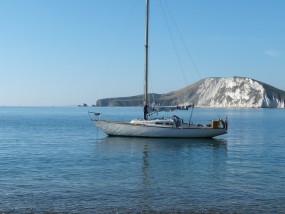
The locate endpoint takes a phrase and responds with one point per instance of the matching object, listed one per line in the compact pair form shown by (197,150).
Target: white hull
(141,130)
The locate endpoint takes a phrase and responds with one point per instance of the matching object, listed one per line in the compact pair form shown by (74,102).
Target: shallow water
(56,160)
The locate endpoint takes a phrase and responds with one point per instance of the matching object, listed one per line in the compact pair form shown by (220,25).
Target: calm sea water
(54,160)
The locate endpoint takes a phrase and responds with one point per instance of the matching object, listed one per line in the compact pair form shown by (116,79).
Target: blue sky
(66,52)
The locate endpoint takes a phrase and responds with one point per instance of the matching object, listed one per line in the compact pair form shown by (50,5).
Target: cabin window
(169,124)
(159,123)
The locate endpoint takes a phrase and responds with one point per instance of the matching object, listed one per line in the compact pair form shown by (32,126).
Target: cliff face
(237,92)
(234,92)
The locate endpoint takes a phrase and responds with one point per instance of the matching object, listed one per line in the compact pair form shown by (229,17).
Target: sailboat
(173,127)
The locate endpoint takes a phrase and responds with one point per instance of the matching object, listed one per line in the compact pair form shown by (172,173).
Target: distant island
(233,92)
(85,105)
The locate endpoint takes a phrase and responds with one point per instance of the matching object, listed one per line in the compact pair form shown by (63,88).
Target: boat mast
(146,64)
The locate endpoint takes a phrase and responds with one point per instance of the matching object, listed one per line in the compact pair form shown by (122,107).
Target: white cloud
(272,53)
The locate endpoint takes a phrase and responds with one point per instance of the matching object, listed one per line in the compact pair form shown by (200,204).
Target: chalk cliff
(233,92)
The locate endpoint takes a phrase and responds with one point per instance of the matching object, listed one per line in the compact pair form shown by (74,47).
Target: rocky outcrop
(233,92)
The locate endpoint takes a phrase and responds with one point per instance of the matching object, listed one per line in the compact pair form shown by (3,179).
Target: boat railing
(94,116)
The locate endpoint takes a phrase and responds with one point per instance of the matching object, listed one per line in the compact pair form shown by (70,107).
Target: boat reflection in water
(160,144)
(169,174)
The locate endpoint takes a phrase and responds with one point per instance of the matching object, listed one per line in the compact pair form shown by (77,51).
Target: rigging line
(186,47)
(173,43)
(183,41)
(117,49)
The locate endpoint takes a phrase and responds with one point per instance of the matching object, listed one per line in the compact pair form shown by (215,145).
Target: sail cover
(155,109)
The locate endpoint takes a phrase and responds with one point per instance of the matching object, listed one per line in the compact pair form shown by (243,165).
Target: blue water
(54,160)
